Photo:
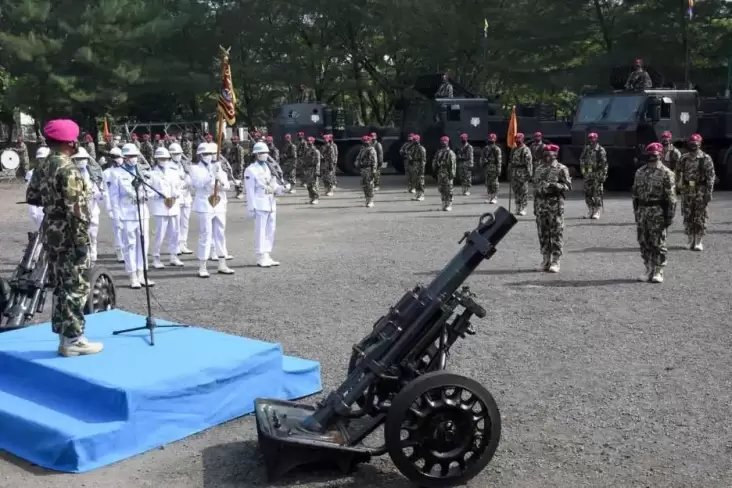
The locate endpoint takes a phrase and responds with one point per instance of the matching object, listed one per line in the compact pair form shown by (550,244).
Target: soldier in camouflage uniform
(22,150)
(639,79)
(445,89)
(520,169)
(695,179)
(418,163)
(302,144)
(238,159)
(42,141)
(491,160)
(465,163)
(366,161)
(654,206)
(311,170)
(274,153)
(289,163)
(594,168)
(330,163)
(158,143)
(670,156)
(146,148)
(60,188)
(551,182)
(537,148)
(89,146)
(379,160)
(444,164)
(187,146)
(134,140)
(404,154)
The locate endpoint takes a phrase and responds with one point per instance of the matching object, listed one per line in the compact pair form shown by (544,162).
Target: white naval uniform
(98,196)
(34,213)
(185,201)
(109,174)
(261,188)
(212,220)
(168,181)
(123,197)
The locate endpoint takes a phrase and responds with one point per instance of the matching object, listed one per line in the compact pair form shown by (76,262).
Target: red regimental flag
(227,98)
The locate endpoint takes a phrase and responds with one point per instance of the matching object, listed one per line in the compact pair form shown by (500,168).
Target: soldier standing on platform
(404,153)
(379,160)
(289,164)
(418,162)
(695,179)
(238,159)
(654,206)
(444,164)
(521,170)
(445,89)
(670,155)
(639,79)
(491,160)
(551,181)
(465,163)
(594,168)
(329,165)
(366,161)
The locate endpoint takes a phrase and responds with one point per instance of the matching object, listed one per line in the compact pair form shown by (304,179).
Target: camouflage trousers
(415,177)
(289,171)
(444,184)
(311,178)
(70,292)
(696,214)
(466,174)
(367,182)
(651,228)
(491,180)
(377,176)
(594,191)
(550,226)
(520,188)
(238,171)
(328,175)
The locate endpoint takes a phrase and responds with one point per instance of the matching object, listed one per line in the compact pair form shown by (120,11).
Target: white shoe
(369,204)
(493,200)
(174,261)
(554,268)
(239,196)
(377,188)
(329,194)
(120,255)
(202,271)
(148,283)
(288,187)
(223,268)
(135,281)
(420,198)
(448,208)
(522,213)
(228,257)
(466,193)
(314,202)
(213,257)
(79,346)
(263,261)
(595,216)
(699,246)
(412,191)
(184,249)
(291,191)
(657,276)
(272,261)
(157,264)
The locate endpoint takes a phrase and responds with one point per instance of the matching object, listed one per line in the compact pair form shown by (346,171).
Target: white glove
(237,182)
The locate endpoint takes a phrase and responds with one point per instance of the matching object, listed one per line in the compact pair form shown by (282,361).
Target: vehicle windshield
(609,109)
(419,114)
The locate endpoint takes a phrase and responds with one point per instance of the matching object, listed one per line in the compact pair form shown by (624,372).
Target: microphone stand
(150,323)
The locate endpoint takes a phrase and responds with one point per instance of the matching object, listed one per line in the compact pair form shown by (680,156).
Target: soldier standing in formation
(329,165)
(289,163)
(444,165)
(491,160)
(35,212)
(134,140)
(594,168)
(639,79)
(185,199)
(520,168)
(654,205)
(311,170)
(445,89)
(274,153)
(404,154)
(465,163)
(89,146)
(670,155)
(695,179)
(366,161)
(22,150)
(302,144)
(98,195)
(551,182)
(238,160)
(59,187)
(418,163)
(146,148)
(186,146)
(167,179)
(537,148)
(158,143)
(379,160)
(108,175)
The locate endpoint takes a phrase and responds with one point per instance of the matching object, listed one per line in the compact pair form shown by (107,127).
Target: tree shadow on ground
(574,283)
(610,250)
(484,272)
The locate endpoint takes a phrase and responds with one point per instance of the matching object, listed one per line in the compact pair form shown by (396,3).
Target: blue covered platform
(78,414)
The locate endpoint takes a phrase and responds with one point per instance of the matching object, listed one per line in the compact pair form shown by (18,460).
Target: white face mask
(176,157)
(132,160)
(207,158)
(81,163)
(262,157)
(119,160)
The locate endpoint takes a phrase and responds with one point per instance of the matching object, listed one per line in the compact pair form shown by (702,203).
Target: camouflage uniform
(537,151)
(301,146)
(551,180)
(670,156)
(187,147)
(654,205)
(63,192)
(638,80)
(695,179)
(444,165)
(289,164)
(330,162)
(274,153)
(418,163)
(594,168)
(445,90)
(367,161)
(404,153)
(379,163)
(238,159)
(491,159)
(465,164)
(22,150)
(521,169)
(311,171)
(147,150)
(91,148)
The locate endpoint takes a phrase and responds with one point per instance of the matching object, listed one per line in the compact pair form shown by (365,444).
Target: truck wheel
(348,163)
(726,180)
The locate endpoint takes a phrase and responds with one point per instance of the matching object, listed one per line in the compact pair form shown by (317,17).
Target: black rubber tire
(4,296)
(403,402)
(348,163)
(100,276)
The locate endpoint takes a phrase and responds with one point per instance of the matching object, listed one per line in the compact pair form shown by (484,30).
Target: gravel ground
(601,380)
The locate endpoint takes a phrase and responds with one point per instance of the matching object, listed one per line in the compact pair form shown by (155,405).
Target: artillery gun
(24,294)
(440,429)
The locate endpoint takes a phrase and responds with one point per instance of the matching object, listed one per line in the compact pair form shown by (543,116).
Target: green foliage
(157,61)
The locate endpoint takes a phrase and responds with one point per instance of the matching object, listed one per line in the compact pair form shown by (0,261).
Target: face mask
(131,161)
(262,157)
(653,158)
(81,163)
(665,143)
(118,161)
(207,158)
(176,158)
(547,158)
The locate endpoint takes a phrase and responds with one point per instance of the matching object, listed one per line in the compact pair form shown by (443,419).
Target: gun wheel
(442,429)
(103,295)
